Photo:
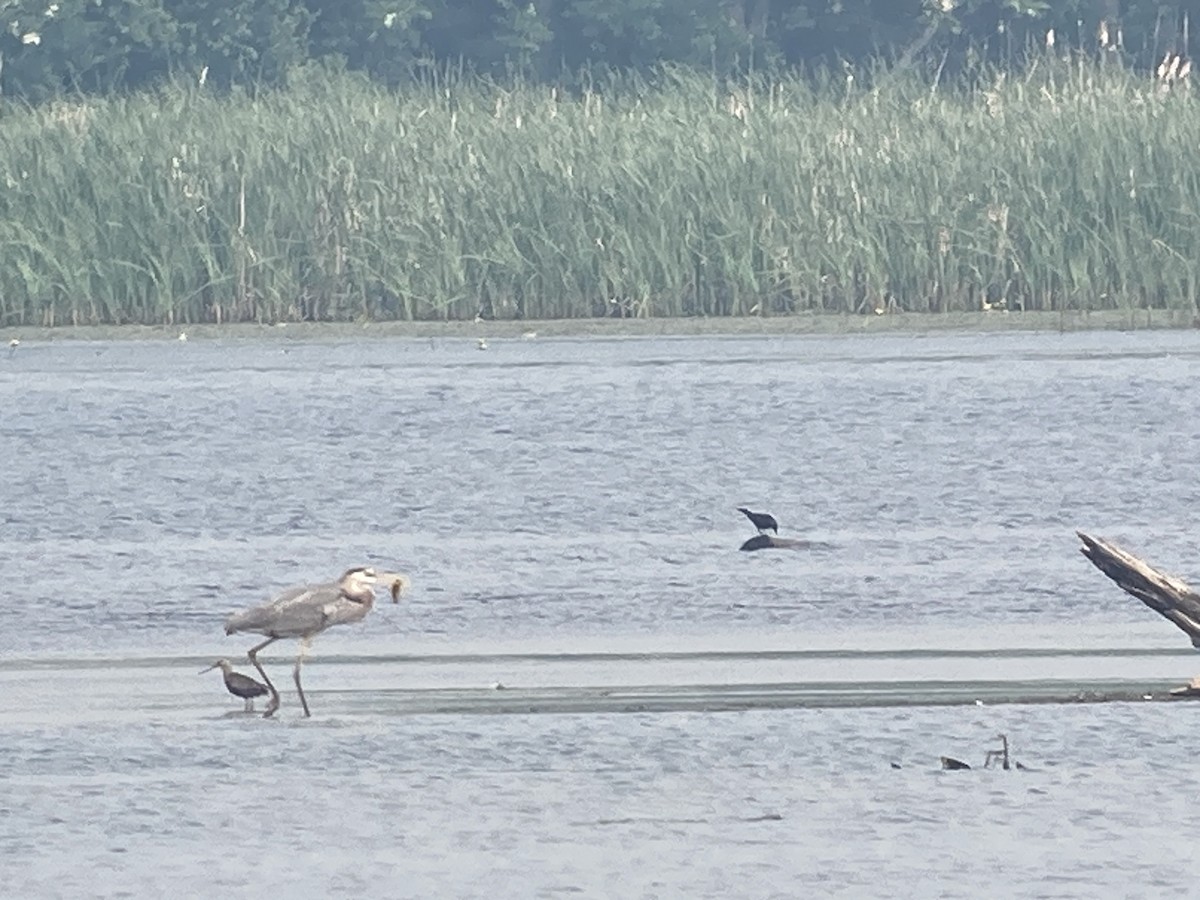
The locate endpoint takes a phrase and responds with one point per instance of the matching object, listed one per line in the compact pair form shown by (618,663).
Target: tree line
(52,47)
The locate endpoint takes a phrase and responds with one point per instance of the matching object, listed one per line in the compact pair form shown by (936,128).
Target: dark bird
(237,684)
(304,612)
(761,521)
(949,762)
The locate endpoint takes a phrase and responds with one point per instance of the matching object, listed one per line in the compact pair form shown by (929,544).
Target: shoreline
(779,326)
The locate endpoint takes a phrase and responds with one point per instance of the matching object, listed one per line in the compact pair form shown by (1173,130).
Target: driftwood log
(770,542)
(1167,595)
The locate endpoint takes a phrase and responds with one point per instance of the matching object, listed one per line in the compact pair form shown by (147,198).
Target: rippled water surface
(566,510)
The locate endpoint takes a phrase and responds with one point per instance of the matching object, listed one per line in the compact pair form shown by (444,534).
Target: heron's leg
(273,703)
(249,705)
(305,643)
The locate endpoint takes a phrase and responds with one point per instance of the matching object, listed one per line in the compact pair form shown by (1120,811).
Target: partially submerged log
(769,541)
(1168,596)
(1191,689)
(992,757)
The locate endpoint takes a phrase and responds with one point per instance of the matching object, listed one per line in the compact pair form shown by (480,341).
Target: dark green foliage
(245,42)
(48,48)
(379,37)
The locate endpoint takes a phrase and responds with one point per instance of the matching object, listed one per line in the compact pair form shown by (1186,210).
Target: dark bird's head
(223,664)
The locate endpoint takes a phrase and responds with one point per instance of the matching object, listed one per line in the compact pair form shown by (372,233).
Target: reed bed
(1072,187)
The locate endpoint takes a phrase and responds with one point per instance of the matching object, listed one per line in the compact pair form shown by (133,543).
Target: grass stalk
(1070,187)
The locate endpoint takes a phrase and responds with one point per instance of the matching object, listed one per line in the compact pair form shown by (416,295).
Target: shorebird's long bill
(209,669)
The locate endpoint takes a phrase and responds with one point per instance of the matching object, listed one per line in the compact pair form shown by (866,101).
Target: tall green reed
(1070,187)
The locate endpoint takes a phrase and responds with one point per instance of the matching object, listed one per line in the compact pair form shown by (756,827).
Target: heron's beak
(396,582)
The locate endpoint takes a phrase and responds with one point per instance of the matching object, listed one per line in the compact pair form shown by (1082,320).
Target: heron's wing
(295,612)
(344,611)
(293,593)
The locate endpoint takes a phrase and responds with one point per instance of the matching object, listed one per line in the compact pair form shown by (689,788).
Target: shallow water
(566,509)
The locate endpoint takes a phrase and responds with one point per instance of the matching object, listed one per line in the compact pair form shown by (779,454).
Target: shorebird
(237,684)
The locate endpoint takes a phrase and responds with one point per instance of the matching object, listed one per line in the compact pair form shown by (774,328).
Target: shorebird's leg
(273,703)
(305,643)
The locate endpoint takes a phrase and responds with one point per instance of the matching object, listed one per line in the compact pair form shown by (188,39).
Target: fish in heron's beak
(397,584)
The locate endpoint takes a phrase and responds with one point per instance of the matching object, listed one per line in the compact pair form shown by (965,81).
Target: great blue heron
(238,684)
(305,611)
(761,521)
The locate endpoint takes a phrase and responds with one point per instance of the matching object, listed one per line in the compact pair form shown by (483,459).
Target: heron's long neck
(365,596)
